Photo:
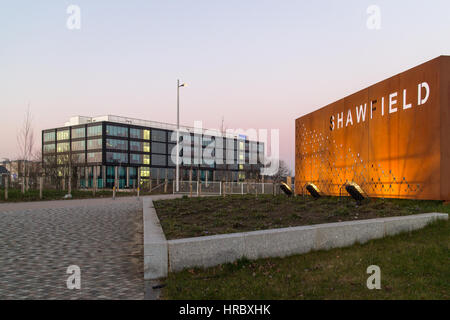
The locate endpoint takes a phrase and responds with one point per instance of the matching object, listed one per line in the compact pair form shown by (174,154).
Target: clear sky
(257,63)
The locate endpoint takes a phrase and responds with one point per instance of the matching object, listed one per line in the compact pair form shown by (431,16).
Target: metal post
(78,178)
(104,177)
(6,187)
(128,177)
(150,181)
(190,182)
(178,136)
(41,186)
(139,182)
(116,172)
(197,186)
(166,182)
(94,177)
(69,187)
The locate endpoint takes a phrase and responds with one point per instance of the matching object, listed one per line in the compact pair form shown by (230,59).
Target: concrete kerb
(162,256)
(155,244)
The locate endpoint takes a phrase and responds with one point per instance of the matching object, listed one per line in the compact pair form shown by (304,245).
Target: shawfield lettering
(388,105)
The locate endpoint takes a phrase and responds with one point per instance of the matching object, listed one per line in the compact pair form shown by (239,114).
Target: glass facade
(139,146)
(142,134)
(117,131)
(159,160)
(140,158)
(116,157)
(78,145)
(78,132)
(49,136)
(78,158)
(93,144)
(149,149)
(63,147)
(94,157)
(159,135)
(117,144)
(158,147)
(49,148)
(63,134)
(94,131)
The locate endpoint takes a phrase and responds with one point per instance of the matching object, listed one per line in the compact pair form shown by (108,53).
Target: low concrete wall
(214,250)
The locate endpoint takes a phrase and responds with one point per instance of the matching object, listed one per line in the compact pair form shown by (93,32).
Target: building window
(115,157)
(49,160)
(146,159)
(117,131)
(230,145)
(159,135)
(139,146)
(63,147)
(159,147)
(135,133)
(62,159)
(78,145)
(94,157)
(140,133)
(140,158)
(158,160)
(94,144)
(78,157)
(145,172)
(136,158)
(94,131)
(78,133)
(135,146)
(49,148)
(63,134)
(49,136)
(117,144)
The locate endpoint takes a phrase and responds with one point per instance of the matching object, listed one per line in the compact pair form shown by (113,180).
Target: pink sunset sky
(258,64)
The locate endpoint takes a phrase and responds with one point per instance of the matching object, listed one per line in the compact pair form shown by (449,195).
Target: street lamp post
(178,136)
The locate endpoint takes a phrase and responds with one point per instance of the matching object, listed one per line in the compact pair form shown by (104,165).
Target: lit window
(63,134)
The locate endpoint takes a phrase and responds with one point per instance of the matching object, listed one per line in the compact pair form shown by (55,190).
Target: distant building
(3,175)
(16,168)
(148,147)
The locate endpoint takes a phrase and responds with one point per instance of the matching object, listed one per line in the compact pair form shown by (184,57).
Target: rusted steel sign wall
(393,138)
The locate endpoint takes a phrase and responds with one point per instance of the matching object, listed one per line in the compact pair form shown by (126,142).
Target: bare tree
(283,172)
(25,140)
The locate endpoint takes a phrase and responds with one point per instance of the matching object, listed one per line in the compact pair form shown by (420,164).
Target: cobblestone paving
(104,239)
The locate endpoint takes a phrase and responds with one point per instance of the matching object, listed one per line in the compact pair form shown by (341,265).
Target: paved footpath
(40,240)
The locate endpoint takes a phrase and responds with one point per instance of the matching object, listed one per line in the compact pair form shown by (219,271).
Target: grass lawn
(15,195)
(194,217)
(413,266)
